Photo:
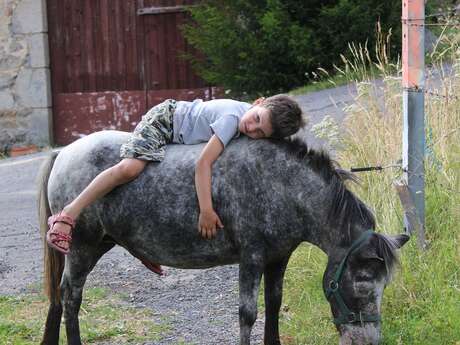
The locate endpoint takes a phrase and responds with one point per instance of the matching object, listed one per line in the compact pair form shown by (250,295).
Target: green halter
(333,290)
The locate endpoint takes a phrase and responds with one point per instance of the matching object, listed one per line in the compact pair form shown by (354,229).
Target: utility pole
(413,62)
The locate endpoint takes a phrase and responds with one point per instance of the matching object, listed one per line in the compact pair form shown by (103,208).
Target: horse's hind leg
(79,264)
(273,278)
(250,273)
(53,322)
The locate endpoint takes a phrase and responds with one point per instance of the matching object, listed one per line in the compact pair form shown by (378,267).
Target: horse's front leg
(251,269)
(273,278)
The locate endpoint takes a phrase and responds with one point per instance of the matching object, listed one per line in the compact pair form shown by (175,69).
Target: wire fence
(429,152)
(436,94)
(433,24)
(447,16)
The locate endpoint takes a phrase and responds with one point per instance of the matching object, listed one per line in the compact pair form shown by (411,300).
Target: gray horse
(270,195)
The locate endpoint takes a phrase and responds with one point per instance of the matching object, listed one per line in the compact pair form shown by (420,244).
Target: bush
(265,47)
(354,21)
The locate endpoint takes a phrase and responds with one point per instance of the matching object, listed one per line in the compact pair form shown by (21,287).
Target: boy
(215,121)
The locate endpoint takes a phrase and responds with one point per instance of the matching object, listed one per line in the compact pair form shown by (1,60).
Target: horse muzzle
(366,334)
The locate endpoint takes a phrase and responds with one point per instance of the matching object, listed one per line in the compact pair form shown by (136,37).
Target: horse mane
(346,207)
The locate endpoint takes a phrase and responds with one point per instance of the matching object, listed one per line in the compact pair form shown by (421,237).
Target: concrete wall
(25,92)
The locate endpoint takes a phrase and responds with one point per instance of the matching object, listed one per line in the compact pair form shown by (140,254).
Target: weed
(103,317)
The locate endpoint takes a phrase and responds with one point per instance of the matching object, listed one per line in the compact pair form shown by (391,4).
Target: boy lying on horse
(216,122)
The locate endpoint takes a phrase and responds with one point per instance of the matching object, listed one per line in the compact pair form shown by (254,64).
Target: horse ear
(399,240)
(370,252)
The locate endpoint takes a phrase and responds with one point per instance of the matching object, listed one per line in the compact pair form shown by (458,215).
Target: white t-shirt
(195,122)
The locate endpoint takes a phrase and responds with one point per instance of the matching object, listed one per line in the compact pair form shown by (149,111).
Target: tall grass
(422,305)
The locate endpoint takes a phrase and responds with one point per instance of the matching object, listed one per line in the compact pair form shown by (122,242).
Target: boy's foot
(59,235)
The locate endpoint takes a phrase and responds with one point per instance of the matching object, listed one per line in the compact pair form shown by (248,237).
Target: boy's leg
(146,143)
(123,172)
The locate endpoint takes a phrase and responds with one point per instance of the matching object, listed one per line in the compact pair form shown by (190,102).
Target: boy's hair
(285,115)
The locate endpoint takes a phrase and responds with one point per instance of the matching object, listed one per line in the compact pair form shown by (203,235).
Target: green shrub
(347,21)
(265,47)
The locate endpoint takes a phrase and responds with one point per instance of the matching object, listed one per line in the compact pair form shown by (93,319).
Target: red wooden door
(167,74)
(111,60)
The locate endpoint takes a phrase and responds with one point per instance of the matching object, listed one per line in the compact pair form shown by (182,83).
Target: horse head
(354,281)
(360,261)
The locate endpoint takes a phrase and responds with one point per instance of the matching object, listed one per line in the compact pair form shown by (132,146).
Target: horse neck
(341,231)
(341,238)
(335,238)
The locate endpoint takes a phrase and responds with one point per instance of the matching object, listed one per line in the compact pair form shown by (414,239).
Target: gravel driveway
(201,306)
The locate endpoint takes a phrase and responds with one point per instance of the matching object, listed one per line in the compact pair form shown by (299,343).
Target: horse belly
(180,247)
(160,232)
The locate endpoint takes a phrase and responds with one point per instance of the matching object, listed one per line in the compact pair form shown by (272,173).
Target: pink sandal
(53,237)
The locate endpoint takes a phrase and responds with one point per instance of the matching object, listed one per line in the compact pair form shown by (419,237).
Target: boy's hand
(208,223)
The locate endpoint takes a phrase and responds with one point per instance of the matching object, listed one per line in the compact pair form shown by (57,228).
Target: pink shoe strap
(59,236)
(61,218)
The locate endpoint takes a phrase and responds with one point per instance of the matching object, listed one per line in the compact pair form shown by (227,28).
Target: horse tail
(53,260)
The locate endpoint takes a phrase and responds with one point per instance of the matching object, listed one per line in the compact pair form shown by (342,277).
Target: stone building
(72,67)
(25,94)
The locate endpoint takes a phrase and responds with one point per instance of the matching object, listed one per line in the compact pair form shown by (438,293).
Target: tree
(263,47)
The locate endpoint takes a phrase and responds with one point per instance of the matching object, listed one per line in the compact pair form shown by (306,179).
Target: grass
(326,82)
(104,316)
(322,79)
(357,67)
(422,304)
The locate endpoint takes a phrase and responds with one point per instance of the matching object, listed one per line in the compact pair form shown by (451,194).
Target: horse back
(155,215)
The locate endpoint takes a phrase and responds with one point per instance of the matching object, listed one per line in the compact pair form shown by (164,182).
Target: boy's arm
(208,220)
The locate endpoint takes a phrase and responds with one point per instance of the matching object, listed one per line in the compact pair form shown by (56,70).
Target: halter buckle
(333,286)
(351,317)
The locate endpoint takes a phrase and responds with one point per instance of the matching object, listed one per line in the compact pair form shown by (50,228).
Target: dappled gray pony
(270,195)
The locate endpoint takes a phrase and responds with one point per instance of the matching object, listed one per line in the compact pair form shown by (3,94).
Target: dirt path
(200,306)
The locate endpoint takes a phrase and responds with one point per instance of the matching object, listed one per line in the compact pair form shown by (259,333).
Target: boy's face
(256,123)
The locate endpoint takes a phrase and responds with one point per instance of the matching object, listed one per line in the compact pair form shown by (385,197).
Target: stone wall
(25,94)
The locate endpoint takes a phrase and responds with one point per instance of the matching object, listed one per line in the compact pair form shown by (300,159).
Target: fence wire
(429,152)
(435,94)
(432,24)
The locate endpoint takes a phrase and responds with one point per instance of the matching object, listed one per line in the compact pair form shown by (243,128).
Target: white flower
(328,130)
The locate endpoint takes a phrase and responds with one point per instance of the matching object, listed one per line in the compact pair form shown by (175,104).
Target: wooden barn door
(167,74)
(111,60)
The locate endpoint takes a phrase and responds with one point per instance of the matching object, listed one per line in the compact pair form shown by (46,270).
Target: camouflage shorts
(151,134)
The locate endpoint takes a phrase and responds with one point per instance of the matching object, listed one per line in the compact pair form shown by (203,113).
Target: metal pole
(413,59)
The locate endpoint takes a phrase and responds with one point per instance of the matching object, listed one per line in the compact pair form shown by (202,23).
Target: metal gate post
(413,25)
